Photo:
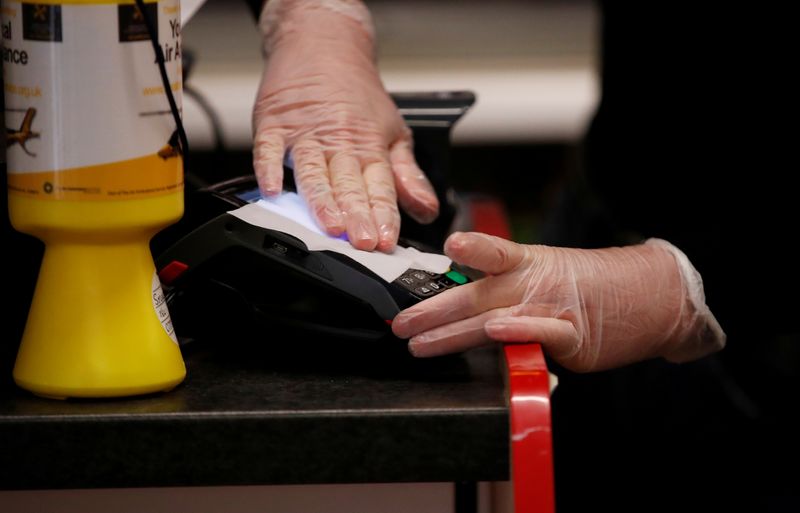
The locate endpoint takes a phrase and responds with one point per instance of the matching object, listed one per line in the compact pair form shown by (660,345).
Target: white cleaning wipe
(288,213)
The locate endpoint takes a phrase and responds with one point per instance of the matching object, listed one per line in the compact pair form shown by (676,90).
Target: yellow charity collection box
(95,169)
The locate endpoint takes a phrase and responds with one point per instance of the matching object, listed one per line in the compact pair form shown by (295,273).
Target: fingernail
(427,209)
(422,338)
(400,325)
(386,231)
(336,220)
(270,180)
(331,220)
(424,217)
(386,245)
(421,347)
(274,184)
(417,180)
(261,180)
(388,228)
(454,242)
(270,190)
(362,233)
(415,351)
(498,325)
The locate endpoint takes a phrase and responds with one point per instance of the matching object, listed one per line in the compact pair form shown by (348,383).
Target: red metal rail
(528,396)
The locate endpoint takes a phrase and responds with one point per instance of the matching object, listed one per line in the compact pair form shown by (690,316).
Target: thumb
(485,253)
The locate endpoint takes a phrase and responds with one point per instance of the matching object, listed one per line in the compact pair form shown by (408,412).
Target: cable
(173,106)
(187,62)
(213,118)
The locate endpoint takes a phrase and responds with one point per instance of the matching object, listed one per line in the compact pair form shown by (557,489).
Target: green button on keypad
(457,277)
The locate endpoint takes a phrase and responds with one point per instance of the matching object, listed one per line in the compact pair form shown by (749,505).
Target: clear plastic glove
(322,99)
(590,309)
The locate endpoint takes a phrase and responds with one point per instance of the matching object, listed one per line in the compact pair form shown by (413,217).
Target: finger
(351,196)
(452,305)
(486,253)
(455,337)
(383,202)
(414,192)
(558,336)
(313,183)
(449,306)
(268,149)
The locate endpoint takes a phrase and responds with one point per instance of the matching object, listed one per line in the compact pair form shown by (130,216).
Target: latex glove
(590,309)
(321,98)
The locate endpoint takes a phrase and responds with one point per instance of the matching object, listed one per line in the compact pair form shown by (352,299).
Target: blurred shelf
(532,65)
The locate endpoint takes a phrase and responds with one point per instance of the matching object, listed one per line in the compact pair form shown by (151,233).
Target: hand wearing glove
(590,309)
(321,98)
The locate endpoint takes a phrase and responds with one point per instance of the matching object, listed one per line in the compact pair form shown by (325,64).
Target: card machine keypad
(425,284)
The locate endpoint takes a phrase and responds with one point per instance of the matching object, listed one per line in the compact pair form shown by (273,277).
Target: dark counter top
(303,413)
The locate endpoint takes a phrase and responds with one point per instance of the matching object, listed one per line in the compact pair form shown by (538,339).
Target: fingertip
(364,243)
(400,330)
(419,202)
(388,231)
(265,184)
(415,351)
(401,325)
(330,218)
(386,245)
(424,212)
(262,186)
(274,183)
(419,348)
(487,253)
(269,187)
(455,244)
(414,191)
(361,232)
(334,229)
(268,149)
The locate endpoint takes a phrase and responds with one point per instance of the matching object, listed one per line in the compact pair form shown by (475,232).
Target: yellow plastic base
(93,329)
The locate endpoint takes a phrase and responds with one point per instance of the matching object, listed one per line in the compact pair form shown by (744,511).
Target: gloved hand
(321,98)
(590,309)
